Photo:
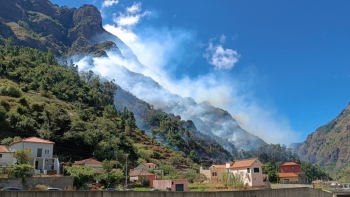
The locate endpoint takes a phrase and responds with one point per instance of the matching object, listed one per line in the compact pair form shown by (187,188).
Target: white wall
(252,178)
(34,147)
(6,158)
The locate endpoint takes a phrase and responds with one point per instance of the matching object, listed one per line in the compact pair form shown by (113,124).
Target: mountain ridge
(328,147)
(79,32)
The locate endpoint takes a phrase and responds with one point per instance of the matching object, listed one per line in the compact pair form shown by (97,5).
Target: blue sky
(277,66)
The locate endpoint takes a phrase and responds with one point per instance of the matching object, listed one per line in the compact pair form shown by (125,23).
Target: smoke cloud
(163,50)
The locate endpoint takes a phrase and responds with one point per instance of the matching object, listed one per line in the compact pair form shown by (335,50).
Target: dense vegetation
(182,135)
(39,97)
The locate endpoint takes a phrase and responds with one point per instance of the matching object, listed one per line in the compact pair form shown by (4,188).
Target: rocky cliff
(43,25)
(329,146)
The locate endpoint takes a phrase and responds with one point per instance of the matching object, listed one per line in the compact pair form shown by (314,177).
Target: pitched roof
(243,163)
(149,164)
(4,149)
(87,161)
(137,172)
(287,174)
(33,140)
(290,164)
(219,166)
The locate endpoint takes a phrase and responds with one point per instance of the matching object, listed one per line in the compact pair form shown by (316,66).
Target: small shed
(175,185)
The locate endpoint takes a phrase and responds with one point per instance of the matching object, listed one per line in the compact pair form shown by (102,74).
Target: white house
(250,170)
(41,157)
(6,157)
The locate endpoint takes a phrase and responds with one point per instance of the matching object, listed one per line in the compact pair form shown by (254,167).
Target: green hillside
(39,97)
(328,147)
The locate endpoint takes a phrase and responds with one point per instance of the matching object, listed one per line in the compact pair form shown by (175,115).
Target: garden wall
(290,192)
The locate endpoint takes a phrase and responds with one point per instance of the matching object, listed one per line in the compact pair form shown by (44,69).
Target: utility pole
(126,172)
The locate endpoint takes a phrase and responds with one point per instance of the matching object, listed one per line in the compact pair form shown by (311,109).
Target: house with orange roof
(96,165)
(42,154)
(214,173)
(249,170)
(6,157)
(289,172)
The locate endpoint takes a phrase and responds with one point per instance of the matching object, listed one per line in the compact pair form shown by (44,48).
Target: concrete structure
(6,157)
(41,157)
(151,166)
(289,172)
(280,186)
(96,165)
(175,185)
(136,174)
(299,192)
(214,173)
(250,171)
(58,182)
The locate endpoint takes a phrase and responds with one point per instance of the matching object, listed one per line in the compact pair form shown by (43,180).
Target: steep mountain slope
(67,31)
(43,25)
(329,146)
(39,97)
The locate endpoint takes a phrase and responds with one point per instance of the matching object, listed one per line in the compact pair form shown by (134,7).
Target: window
(0,155)
(47,151)
(254,179)
(39,152)
(248,170)
(293,168)
(256,170)
(286,168)
(214,174)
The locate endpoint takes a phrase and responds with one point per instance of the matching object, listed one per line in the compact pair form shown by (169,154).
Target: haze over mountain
(147,87)
(79,32)
(328,146)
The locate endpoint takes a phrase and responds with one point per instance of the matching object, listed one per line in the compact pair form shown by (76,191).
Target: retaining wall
(277,186)
(60,182)
(295,192)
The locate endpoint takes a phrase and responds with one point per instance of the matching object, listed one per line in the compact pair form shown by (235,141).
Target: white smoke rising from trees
(162,49)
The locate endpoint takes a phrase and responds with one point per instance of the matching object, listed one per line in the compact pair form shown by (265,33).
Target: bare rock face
(42,25)
(87,23)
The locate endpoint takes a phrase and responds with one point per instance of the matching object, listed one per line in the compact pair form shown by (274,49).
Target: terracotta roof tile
(243,163)
(4,149)
(219,166)
(33,140)
(290,164)
(149,164)
(287,174)
(87,161)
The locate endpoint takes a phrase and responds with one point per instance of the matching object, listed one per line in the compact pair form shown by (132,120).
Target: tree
(145,181)
(193,156)
(22,155)
(191,175)
(312,172)
(271,171)
(174,161)
(81,174)
(20,171)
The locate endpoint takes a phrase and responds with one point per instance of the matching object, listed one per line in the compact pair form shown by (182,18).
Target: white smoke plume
(162,50)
